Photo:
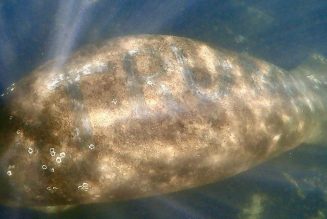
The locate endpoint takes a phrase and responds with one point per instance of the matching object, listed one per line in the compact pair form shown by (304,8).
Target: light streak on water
(71,15)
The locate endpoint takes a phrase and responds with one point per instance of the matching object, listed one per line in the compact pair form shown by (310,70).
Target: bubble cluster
(52,189)
(59,158)
(92,146)
(9,90)
(30,150)
(84,186)
(150,83)
(9,170)
(45,167)
(114,101)
(52,152)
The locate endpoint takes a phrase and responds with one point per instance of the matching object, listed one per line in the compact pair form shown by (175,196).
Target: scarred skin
(145,115)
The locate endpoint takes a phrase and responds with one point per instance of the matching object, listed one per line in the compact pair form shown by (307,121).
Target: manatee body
(146,115)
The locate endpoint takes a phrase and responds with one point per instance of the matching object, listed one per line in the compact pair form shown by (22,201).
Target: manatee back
(144,115)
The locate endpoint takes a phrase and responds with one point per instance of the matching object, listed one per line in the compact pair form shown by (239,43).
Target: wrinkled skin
(145,115)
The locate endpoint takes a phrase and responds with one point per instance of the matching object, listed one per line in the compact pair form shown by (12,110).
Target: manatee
(143,115)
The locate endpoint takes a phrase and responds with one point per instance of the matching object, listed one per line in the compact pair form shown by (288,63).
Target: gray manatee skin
(144,115)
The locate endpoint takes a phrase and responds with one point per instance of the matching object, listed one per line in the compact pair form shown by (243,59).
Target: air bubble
(9,173)
(62,154)
(114,101)
(52,152)
(30,150)
(52,189)
(84,187)
(18,132)
(44,167)
(91,146)
(58,159)
(52,170)
(150,83)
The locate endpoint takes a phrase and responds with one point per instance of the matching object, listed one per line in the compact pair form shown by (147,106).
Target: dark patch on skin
(187,71)
(274,84)
(187,47)
(138,132)
(249,71)
(253,140)
(146,63)
(80,113)
(107,87)
(111,67)
(196,78)
(274,123)
(189,80)
(133,81)
(226,80)
(51,134)
(258,145)
(47,129)
(202,78)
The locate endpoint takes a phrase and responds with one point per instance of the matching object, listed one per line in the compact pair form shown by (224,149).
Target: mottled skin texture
(145,115)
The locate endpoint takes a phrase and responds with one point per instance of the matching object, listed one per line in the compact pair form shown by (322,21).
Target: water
(293,185)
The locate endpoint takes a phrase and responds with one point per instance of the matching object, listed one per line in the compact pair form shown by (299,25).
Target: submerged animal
(143,115)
